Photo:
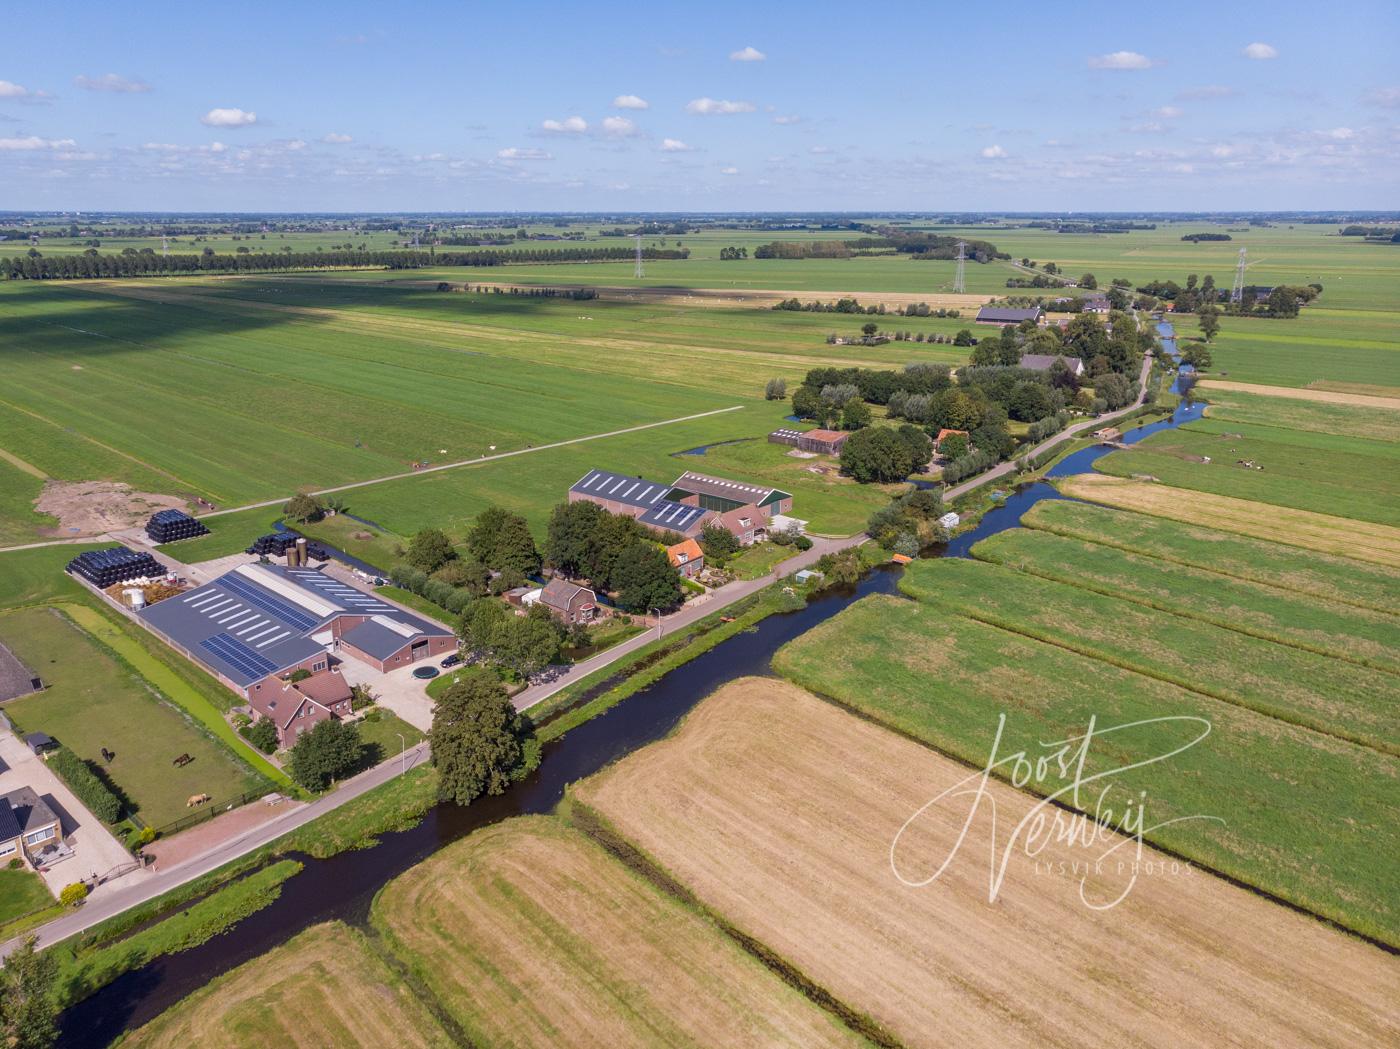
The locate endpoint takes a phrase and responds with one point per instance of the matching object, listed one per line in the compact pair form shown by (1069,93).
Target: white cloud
(335,138)
(296,144)
(748,54)
(1167,112)
(1206,91)
(34,142)
(1340,134)
(819,150)
(787,118)
(675,145)
(994,153)
(1151,127)
(1221,152)
(217,147)
(21,93)
(630,102)
(518,153)
(567,126)
(713,106)
(228,118)
(1121,60)
(619,127)
(113,82)
(1260,51)
(1385,97)
(729,171)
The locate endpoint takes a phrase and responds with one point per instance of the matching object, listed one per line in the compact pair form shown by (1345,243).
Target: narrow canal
(343,886)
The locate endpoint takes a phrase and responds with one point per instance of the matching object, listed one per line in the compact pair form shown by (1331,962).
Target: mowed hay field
(322,989)
(1349,414)
(1307,817)
(1328,695)
(1338,579)
(1360,635)
(1360,540)
(1350,477)
(529,934)
(778,812)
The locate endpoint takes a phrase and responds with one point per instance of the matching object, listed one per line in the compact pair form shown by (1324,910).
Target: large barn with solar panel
(685,507)
(257,624)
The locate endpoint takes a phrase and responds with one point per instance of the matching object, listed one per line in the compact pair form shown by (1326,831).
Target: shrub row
(86,784)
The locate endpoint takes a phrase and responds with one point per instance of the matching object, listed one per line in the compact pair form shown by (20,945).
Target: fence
(209,811)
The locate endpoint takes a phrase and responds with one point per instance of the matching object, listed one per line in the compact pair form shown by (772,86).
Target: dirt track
(778,810)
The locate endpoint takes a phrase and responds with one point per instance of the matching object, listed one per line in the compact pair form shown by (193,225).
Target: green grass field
(21,892)
(1340,631)
(94,701)
(1335,579)
(1346,420)
(1330,474)
(1307,816)
(1329,695)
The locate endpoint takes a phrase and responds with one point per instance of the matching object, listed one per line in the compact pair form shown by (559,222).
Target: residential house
(748,524)
(299,705)
(945,432)
(1095,304)
(1009,314)
(1043,362)
(686,558)
(27,825)
(569,602)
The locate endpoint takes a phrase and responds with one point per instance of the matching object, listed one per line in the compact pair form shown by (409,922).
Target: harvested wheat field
(532,935)
(1360,540)
(323,989)
(778,811)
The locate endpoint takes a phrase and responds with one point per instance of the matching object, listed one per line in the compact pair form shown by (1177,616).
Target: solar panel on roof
(261,599)
(238,655)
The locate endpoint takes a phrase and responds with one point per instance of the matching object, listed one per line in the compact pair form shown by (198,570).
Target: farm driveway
(96,850)
(398,690)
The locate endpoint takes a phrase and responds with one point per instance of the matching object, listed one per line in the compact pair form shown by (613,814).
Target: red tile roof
(690,548)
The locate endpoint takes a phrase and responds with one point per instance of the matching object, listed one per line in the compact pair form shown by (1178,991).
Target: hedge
(84,783)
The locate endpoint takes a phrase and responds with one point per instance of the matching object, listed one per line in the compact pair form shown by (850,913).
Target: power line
(638,272)
(1237,292)
(959,282)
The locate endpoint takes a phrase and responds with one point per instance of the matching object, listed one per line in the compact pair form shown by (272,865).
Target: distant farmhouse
(1043,362)
(254,626)
(1009,314)
(1095,304)
(685,507)
(822,442)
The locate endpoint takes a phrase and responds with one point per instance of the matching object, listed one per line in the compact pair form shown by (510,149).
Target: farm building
(1008,314)
(823,442)
(258,623)
(645,500)
(1043,362)
(686,558)
(786,435)
(27,825)
(945,432)
(1095,304)
(569,602)
(299,705)
(720,495)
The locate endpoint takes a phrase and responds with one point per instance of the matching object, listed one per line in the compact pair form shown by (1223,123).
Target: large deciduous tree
(429,550)
(329,750)
(644,578)
(477,739)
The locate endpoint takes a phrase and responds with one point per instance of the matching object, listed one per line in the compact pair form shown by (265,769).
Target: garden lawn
(21,892)
(94,700)
(760,559)
(1307,817)
(1329,695)
(380,736)
(1328,576)
(1341,631)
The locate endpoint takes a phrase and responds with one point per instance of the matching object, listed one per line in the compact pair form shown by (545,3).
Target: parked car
(450,661)
(426,673)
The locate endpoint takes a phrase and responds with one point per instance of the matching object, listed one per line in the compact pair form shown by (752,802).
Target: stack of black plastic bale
(104,568)
(275,544)
(170,526)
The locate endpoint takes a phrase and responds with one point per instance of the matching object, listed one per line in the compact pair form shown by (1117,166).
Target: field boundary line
(481,459)
(1303,393)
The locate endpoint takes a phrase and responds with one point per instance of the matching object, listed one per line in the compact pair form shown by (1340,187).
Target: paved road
(140,887)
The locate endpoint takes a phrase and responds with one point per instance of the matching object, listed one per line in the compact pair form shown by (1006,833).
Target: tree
(1198,356)
(718,543)
(429,550)
(855,415)
(477,739)
(28,1012)
(1209,318)
(644,578)
(479,626)
(954,446)
(775,390)
(464,573)
(527,644)
(869,328)
(571,530)
(1115,389)
(500,539)
(876,454)
(303,508)
(917,443)
(262,734)
(807,403)
(963,338)
(329,750)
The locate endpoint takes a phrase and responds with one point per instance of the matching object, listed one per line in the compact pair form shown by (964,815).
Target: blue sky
(716,107)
